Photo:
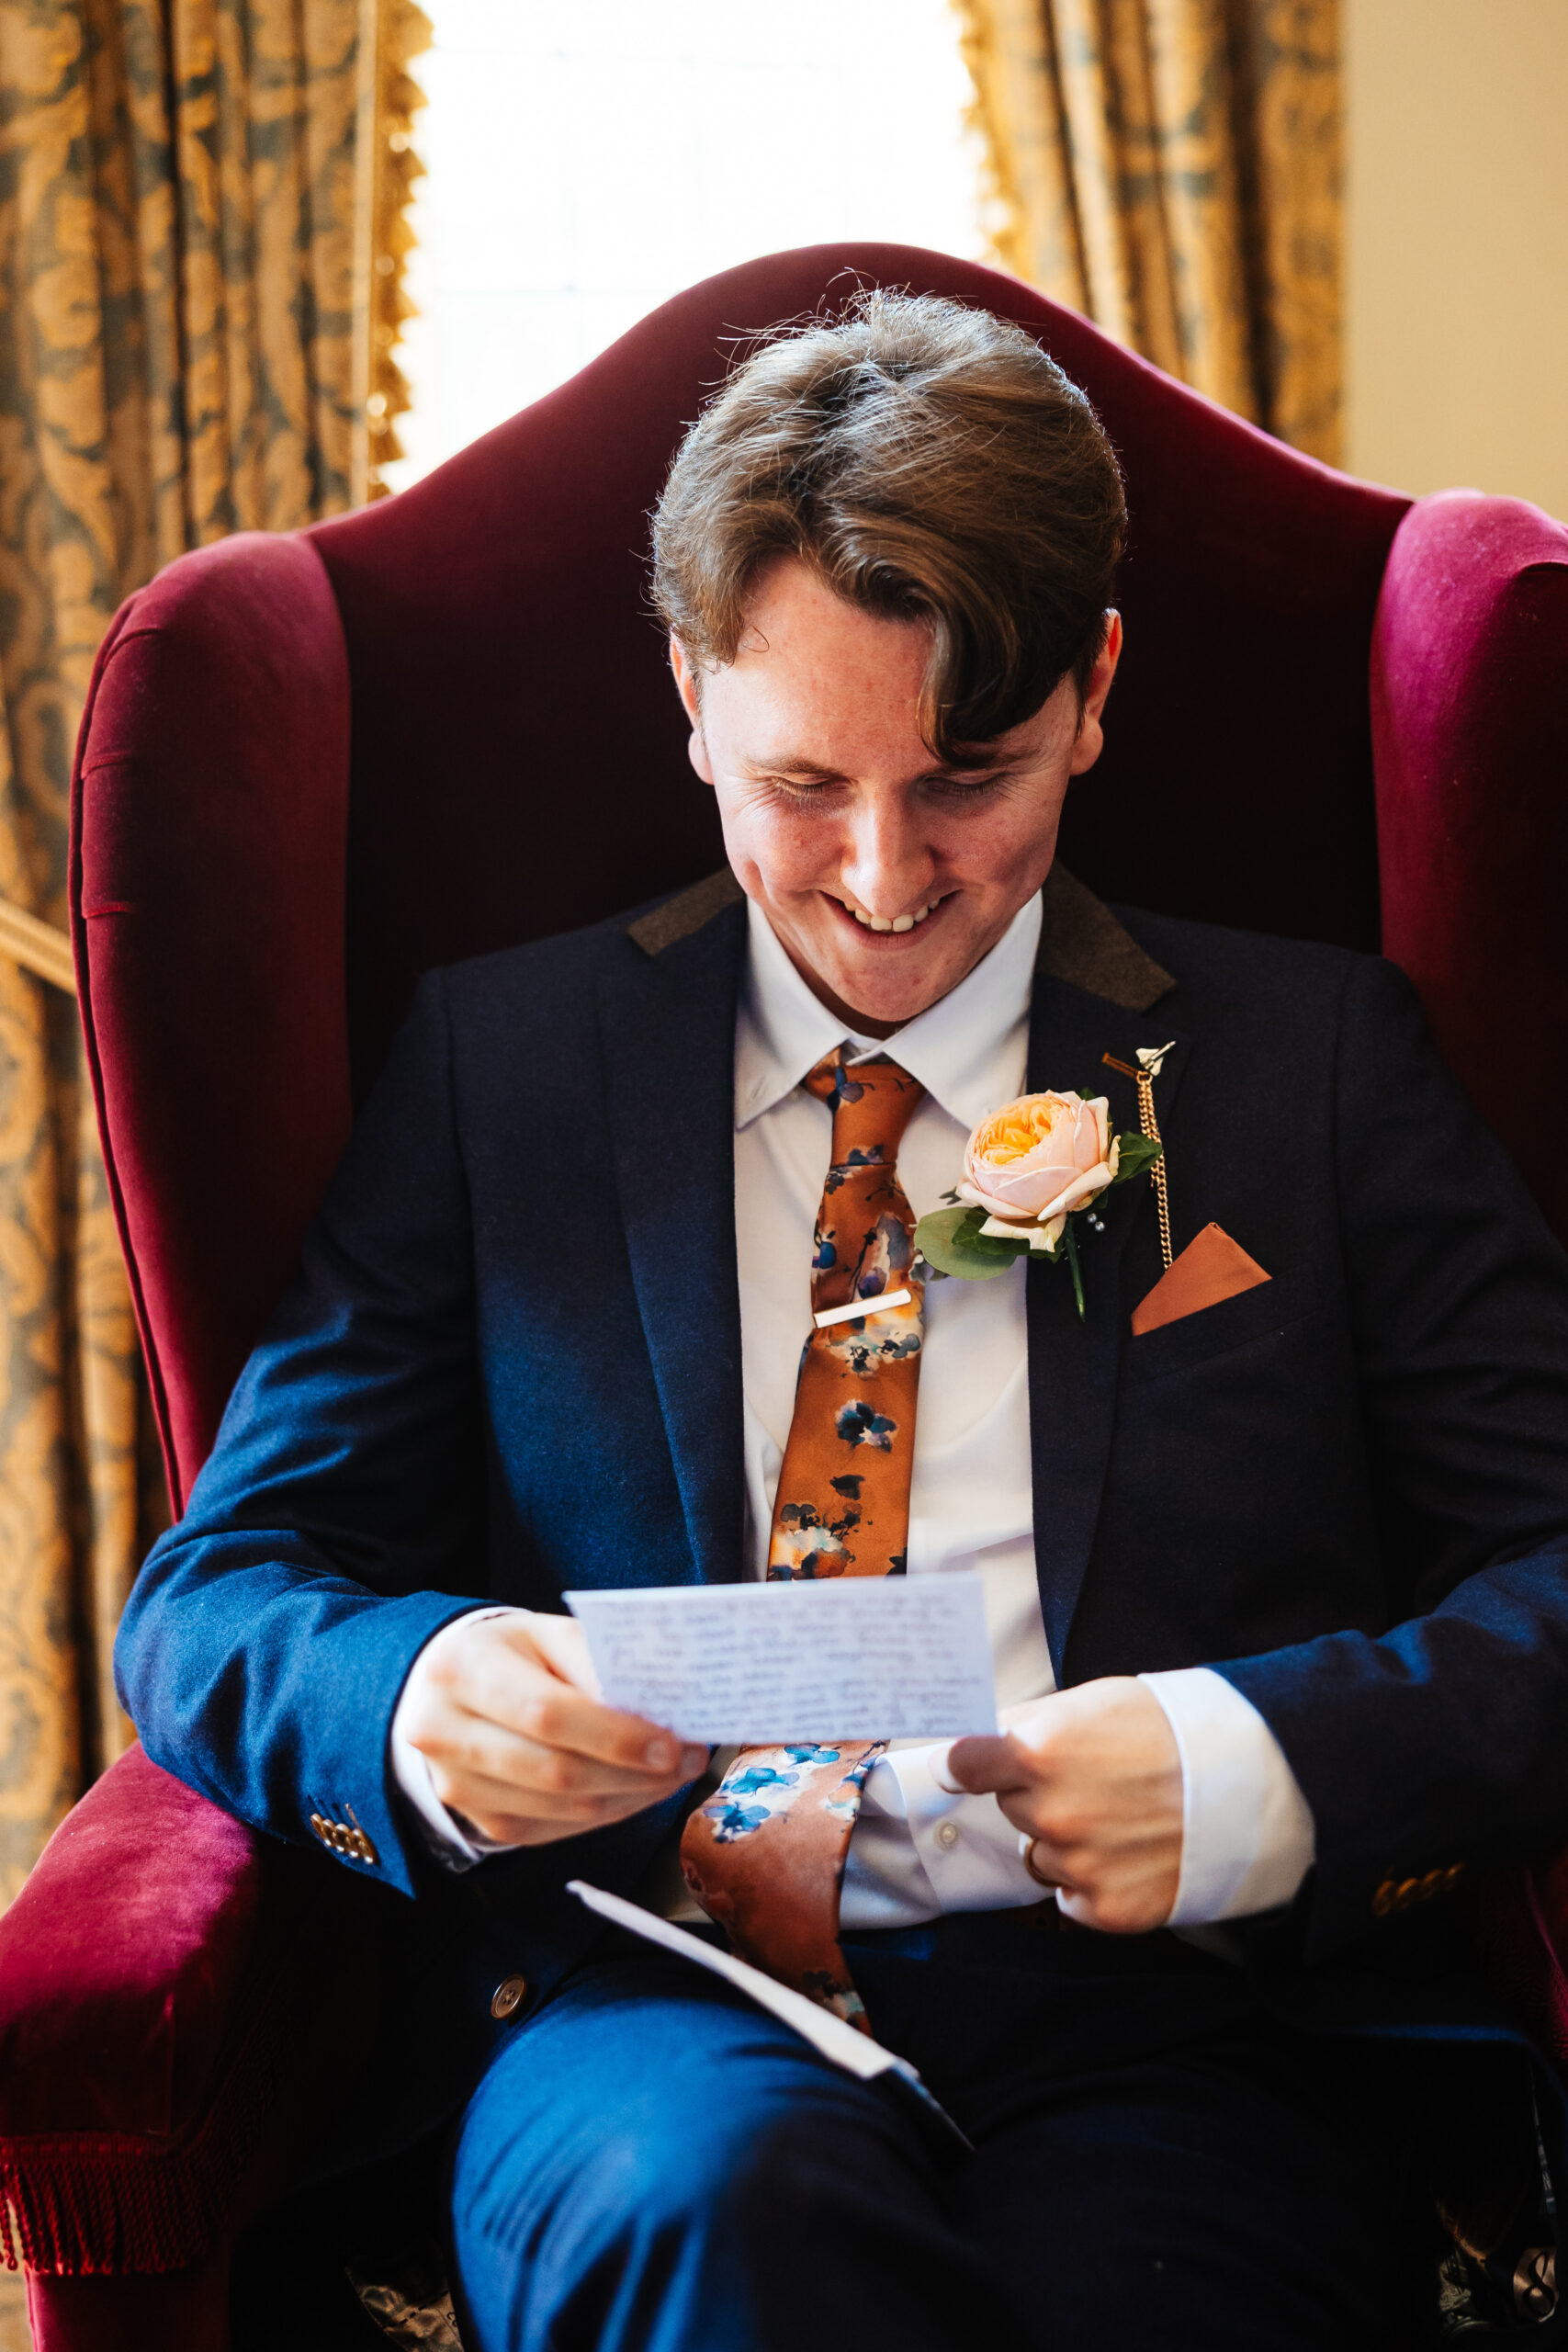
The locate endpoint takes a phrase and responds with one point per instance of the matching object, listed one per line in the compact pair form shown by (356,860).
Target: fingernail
(658,1755)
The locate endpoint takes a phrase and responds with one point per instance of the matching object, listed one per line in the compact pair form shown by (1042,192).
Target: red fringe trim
(80,2204)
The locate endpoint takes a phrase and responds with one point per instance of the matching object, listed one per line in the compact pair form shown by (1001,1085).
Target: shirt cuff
(966,1852)
(1249,1838)
(456,1846)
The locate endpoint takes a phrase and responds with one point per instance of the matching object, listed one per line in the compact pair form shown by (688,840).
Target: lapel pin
(1151,1061)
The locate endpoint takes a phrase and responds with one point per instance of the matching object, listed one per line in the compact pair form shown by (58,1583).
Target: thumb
(984,1765)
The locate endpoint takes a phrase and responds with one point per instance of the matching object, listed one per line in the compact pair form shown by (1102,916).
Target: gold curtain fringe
(37,946)
(1003,209)
(394,32)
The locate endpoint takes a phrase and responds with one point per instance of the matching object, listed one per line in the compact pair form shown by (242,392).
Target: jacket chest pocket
(1246,1321)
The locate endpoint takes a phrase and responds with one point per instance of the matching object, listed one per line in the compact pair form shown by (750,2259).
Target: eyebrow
(1003,764)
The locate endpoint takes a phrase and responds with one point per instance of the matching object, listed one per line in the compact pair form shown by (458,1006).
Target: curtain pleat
(1171,168)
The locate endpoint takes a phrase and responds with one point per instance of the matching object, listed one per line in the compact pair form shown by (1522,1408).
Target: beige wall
(1457,245)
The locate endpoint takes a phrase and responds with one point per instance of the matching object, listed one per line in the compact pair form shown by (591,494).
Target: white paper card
(849,1658)
(845,2044)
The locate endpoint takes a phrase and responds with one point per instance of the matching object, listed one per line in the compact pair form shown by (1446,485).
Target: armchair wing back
(312,767)
(261,883)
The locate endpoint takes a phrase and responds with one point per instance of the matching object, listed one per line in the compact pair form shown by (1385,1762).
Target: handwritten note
(858,1658)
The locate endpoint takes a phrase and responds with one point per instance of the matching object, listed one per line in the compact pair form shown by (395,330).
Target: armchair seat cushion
(177,1995)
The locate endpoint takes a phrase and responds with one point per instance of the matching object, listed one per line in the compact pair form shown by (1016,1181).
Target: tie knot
(872,1103)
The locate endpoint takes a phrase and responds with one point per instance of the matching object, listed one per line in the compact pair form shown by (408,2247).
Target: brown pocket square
(1212,1268)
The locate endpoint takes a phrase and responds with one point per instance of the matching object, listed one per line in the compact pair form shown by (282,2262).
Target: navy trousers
(651,2165)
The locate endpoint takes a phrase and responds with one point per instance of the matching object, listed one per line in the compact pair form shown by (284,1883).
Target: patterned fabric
(1171,169)
(180,260)
(765,1858)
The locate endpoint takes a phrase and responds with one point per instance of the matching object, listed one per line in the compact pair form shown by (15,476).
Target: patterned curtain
(1171,168)
(194,197)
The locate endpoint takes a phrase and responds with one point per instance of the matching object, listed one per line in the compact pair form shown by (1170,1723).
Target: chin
(884,996)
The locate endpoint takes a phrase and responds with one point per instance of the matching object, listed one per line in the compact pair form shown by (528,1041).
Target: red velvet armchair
(313,766)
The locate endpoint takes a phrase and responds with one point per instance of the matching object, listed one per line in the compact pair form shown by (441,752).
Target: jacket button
(508,1997)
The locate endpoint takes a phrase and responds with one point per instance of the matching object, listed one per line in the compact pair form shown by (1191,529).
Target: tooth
(920,914)
(881,922)
(903,922)
(861,916)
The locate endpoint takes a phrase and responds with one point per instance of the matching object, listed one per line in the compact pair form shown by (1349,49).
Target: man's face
(837,819)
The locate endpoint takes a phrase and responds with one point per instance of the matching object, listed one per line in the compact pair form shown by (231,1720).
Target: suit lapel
(1074,1366)
(667,1023)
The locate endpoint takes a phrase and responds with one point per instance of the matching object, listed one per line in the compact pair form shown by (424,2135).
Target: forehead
(795,624)
(808,661)
(819,684)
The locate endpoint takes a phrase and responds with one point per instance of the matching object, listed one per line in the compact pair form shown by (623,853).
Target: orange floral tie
(765,1858)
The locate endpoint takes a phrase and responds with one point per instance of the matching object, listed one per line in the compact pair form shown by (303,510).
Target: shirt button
(508,1997)
(948,1834)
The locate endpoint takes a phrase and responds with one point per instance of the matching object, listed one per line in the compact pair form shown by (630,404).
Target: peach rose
(1036,1158)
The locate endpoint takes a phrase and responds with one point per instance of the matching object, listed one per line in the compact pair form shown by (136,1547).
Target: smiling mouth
(884,930)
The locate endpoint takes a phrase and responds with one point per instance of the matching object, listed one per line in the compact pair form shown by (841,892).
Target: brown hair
(931,463)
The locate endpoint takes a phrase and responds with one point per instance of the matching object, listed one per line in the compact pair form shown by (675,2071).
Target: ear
(1090,740)
(685,675)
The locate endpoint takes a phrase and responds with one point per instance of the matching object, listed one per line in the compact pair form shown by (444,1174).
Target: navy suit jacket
(511,1365)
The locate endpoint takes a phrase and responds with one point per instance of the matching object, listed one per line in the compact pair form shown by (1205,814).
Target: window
(589,158)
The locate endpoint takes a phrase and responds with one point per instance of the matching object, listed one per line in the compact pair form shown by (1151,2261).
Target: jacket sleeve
(337,1525)
(1438,1744)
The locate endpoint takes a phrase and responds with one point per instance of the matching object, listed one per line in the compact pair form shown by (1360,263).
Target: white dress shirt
(919,1850)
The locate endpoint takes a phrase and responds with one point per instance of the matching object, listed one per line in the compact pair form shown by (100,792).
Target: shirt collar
(969,1050)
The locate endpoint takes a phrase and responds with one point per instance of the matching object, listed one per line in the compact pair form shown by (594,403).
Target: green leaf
(950,1240)
(1137,1155)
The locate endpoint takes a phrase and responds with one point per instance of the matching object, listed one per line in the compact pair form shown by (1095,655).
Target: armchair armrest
(179,1998)
(1524,1937)
(1470,745)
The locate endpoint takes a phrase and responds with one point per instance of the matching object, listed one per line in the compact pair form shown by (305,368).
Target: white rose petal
(976,1200)
(1082,1188)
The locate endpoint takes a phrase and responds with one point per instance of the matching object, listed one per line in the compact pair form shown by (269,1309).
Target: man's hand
(502,1707)
(1094,1776)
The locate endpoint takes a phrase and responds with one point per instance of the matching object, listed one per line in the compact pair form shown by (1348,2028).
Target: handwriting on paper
(855,1657)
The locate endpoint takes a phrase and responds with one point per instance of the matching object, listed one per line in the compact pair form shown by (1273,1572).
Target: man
(1276,1589)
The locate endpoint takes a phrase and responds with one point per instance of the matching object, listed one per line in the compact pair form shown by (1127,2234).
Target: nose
(887,864)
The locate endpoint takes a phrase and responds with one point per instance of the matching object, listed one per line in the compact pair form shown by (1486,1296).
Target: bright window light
(586,162)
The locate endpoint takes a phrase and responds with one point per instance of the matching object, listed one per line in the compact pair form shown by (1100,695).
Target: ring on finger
(1026,1845)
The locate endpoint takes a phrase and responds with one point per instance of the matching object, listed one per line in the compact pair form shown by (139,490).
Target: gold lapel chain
(1144,1079)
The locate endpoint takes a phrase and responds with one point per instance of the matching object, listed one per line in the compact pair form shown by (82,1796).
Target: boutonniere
(1030,1171)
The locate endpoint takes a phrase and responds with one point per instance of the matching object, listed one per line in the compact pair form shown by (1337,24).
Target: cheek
(787,852)
(1002,847)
